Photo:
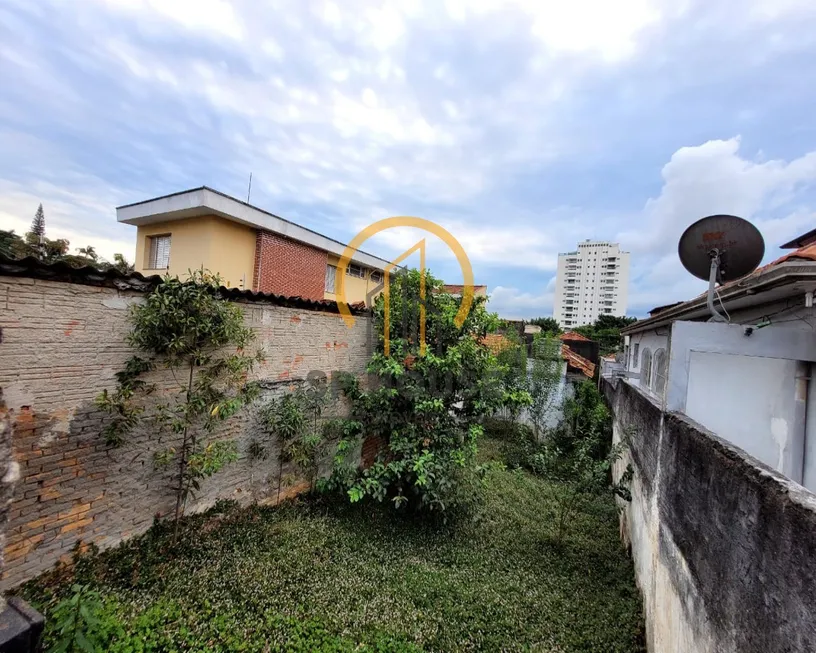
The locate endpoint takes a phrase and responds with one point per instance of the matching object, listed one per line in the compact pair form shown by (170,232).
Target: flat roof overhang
(206,201)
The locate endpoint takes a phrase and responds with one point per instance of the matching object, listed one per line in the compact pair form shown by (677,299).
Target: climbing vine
(190,329)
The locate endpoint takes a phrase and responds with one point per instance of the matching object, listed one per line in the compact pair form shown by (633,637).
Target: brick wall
(287,267)
(61,345)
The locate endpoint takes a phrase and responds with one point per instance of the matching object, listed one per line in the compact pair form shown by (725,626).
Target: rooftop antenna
(720,248)
(249,190)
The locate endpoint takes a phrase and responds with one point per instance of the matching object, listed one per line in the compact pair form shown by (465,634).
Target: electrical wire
(717,292)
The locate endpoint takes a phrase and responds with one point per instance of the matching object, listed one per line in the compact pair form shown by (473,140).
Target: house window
(646,368)
(659,379)
(376,276)
(355,271)
(635,354)
(331,277)
(158,252)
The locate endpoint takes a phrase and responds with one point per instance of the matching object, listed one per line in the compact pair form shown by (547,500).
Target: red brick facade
(287,267)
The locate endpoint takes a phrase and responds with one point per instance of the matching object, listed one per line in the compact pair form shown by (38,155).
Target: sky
(522,127)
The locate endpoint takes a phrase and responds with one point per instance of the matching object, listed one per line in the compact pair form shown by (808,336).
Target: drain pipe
(800,417)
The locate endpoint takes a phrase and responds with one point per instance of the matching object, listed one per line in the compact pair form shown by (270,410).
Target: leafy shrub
(189,328)
(424,405)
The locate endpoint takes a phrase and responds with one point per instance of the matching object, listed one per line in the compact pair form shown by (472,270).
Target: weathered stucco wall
(61,345)
(724,547)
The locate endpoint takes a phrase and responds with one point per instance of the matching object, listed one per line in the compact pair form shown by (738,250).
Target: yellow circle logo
(405,221)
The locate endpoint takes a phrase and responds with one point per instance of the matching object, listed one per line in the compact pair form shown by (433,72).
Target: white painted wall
(651,340)
(750,401)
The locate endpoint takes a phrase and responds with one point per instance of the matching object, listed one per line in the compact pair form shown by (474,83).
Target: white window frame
(376,276)
(331,278)
(158,252)
(354,270)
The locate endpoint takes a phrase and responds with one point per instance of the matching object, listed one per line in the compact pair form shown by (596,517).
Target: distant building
(248,247)
(591,281)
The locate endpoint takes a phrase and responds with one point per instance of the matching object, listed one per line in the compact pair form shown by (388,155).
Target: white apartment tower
(590,282)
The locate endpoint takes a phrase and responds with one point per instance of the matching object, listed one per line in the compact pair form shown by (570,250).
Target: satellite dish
(720,248)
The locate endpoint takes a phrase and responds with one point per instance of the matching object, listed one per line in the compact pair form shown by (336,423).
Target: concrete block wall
(287,267)
(62,343)
(724,547)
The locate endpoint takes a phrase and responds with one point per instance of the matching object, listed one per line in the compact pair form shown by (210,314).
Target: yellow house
(248,247)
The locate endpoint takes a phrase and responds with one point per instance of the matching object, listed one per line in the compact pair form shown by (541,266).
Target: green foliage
(606,332)
(188,328)
(38,223)
(548,325)
(295,420)
(579,454)
(511,370)
(51,251)
(545,379)
(424,407)
(315,574)
(75,622)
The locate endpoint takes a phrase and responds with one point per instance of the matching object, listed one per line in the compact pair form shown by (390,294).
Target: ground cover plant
(320,574)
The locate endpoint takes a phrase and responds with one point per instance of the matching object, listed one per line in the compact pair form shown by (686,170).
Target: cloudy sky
(521,126)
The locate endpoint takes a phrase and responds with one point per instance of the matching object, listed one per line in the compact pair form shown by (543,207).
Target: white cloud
(216,16)
(514,304)
(714,178)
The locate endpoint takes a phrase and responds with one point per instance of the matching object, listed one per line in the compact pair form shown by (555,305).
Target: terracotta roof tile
(572,335)
(579,362)
(91,276)
(456,290)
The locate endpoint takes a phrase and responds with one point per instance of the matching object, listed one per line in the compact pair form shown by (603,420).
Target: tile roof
(453,289)
(674,311)
(807,253)
(576,361)
(31,267)
(572,335)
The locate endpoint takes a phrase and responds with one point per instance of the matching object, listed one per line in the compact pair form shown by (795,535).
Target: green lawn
(314,576)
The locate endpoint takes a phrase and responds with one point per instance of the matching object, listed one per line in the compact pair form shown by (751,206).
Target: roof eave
(206,201)
(787,273)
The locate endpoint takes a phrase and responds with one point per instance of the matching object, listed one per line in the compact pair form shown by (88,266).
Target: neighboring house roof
(532,328)
(206,201)
(801,241)
(579,362)
(572,335)
(453,289)
(787,275)
(660,309)
(33,268)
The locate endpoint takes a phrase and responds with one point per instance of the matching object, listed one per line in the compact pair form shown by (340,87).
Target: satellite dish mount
(720,248)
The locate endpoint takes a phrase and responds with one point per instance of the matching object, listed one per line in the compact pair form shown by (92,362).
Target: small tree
(121,263)
(188,328)
(425,407)
(580,454)
(89,252)
(295,420)
(547,324)
(545,380)
(37,232)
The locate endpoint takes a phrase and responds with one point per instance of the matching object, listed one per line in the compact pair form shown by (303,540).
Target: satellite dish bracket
(713,277)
